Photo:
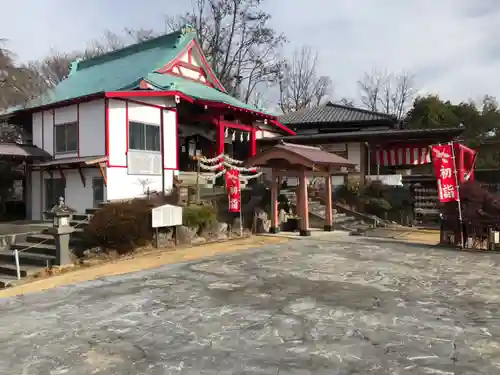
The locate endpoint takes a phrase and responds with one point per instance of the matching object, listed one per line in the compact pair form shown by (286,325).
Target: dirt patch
(418,236)
(138,262)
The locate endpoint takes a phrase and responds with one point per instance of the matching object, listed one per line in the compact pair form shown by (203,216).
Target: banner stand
(460,218)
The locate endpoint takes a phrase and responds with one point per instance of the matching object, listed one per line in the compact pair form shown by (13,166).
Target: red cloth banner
(444,170)
(465,159)
(233,190)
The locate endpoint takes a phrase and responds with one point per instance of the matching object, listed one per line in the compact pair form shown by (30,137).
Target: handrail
(16,253)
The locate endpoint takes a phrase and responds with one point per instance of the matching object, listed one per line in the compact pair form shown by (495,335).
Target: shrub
(349,193)
(377,206)
(199,217)
(126,225)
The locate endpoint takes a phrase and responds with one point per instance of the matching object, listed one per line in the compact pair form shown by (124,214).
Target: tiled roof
(194,90)
(116,70)
(315,154)
(333,113)
(298,155)
(124,69)
(23,151)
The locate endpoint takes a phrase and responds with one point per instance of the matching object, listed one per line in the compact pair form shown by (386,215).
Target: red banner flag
(233,190)
(444,170)
(465,160)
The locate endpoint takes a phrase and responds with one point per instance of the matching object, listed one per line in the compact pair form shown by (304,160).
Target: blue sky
(451,45)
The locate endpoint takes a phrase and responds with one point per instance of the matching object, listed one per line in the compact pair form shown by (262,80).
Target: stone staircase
(341,221)
(38,250)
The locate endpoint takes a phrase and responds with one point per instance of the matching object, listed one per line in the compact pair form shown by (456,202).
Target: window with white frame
(66,137)
(143,137)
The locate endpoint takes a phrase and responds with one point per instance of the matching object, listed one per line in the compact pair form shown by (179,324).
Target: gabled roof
(296,156)
(331,113)
(126,69)
(116,70)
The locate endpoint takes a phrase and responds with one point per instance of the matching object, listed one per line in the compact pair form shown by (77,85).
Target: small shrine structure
(291,160)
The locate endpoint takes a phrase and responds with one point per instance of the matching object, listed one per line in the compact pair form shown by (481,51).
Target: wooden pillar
(219,138)
(363,164)
(252,145)
(274,203)
(304,206)
(329,208)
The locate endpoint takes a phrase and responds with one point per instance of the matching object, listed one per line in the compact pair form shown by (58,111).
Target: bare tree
(386,92)
(299,85)
(56,66)
(236,38)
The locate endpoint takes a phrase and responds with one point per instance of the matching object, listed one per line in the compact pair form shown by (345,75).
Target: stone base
(274,230)
(328,228)
(305,232)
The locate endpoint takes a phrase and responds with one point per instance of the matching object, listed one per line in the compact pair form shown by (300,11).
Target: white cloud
(444,42)
(451,45)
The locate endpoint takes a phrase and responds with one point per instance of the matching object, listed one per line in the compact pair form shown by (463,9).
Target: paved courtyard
(319,306)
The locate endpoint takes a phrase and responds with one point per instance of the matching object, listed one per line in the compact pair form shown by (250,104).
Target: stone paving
(318,306)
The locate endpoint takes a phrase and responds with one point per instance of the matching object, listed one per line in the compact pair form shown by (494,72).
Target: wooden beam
(282,173)
(103,174)
(62,174)
(82,176)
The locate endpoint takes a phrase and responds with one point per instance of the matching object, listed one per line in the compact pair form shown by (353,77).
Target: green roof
(124,69)
(116,70)
(194,90)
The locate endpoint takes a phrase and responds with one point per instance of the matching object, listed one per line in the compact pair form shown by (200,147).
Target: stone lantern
(61,230)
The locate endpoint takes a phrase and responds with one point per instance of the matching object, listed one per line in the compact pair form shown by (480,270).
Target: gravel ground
(343,306)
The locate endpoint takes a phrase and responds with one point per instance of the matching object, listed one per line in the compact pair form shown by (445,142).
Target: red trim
(176,139)
(206,82)
(189,66)
(140,103)
(54,132)
(126,128)
(43,130)
(162,143)
(253,142)
(128,94)
(282,127)
(209,70)
(232,125)
(190,56)
(143,85)
(106,130)
(78,127)
(193,44)
(219,138)
(116,166)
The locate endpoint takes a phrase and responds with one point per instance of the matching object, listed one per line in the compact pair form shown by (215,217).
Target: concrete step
(6,281)
(27,258)
(81,217)
(35,248)
(79,223)
(92,211)
(25,270)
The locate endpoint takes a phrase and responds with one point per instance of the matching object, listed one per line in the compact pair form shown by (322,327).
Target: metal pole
(18,269)
(460,218)
(197,180)
(241,220)
(157,239)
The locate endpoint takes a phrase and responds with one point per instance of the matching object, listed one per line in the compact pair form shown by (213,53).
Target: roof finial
(73,67)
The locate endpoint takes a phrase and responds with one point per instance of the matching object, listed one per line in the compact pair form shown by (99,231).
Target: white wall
(121,184)
(91,128)
(354,153)
(77,196)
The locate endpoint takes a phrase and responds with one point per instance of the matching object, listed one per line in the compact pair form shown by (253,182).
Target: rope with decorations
(224,163)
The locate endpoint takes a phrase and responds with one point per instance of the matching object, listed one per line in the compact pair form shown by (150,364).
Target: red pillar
(329,208)
(274,203)
(252,147)
(304,203)
(219,138)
